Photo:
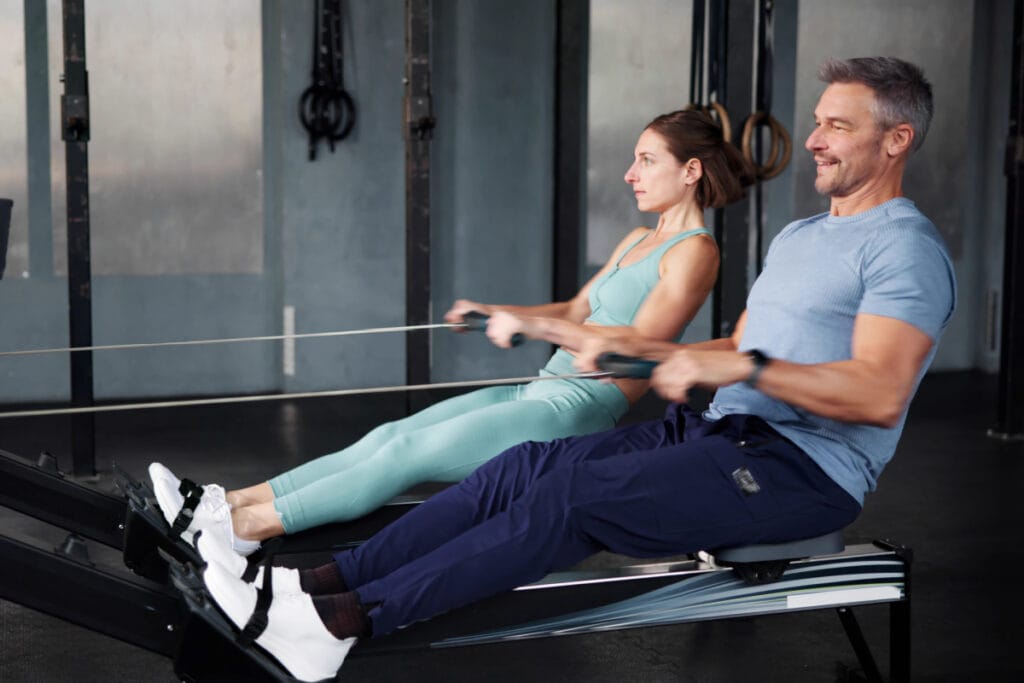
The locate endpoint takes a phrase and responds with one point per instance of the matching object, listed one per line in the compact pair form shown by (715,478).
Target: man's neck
(878,191)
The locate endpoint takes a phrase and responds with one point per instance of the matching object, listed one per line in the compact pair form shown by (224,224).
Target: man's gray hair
(902,93)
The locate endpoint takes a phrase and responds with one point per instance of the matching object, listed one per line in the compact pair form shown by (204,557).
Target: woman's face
(657,177)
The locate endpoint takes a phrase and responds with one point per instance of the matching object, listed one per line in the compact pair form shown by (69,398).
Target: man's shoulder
(800,224)
(905,223)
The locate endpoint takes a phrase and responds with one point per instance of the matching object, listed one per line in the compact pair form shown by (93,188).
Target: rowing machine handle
(477,321)
(625,366)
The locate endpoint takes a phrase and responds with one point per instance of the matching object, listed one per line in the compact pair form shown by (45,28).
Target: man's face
(846,143)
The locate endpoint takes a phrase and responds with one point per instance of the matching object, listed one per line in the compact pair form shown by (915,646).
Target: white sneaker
(295,635)
(212,513)
(214,550)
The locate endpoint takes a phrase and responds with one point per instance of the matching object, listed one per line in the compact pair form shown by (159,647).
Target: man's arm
(872,387)
(639,346)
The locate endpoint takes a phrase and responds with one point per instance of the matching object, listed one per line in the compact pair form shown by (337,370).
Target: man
(813,389)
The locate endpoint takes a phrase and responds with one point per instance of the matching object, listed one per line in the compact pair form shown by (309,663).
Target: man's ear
(900,139)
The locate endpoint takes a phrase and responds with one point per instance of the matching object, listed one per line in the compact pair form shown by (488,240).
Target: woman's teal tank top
(617,295)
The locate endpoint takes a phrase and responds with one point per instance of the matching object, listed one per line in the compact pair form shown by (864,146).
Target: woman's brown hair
(693,135)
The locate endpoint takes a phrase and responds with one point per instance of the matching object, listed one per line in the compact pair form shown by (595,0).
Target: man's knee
(504,466)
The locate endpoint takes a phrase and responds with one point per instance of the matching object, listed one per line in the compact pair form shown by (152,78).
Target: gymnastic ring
(778,134)
(787,149)
(327,112)
(711,111)
(747,143)
(723,120)
(347,107)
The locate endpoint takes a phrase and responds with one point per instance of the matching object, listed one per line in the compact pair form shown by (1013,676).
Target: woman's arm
(575,310)
(687,274)
(559,309)
(632,344)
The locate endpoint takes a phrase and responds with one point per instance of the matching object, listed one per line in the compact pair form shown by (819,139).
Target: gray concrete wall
(189,304)
(942,177)
(492,193)
(342,215)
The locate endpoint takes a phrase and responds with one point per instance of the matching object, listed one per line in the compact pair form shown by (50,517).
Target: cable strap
(308,394)
(234,340)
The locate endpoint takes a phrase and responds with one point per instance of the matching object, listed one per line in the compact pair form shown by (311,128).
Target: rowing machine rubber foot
(757,573)
(845,674)
(48,463)
(74,548)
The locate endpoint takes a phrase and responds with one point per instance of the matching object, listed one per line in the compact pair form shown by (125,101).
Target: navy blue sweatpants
(673,486)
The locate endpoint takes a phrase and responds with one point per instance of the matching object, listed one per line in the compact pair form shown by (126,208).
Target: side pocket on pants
(745,474)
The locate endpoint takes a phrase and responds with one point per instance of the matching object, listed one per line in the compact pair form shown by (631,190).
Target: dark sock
(323,580)
(343,615)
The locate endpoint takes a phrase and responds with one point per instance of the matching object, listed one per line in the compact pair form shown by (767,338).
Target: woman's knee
(384,432)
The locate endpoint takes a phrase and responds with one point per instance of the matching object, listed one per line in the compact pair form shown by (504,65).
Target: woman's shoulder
(693,241)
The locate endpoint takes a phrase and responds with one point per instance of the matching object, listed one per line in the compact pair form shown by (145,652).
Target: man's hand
(594,345)
(684,369)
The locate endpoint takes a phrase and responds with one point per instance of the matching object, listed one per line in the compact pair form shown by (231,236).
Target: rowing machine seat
(766,562)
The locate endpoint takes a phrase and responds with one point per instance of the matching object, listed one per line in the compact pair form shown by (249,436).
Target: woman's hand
(502,326)
(463,306)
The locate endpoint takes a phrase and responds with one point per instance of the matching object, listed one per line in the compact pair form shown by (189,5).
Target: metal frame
(733,24)
(571,49)
(45,494)
(75,125)
(1010,416)
(149,616)
(540,610)
(419,120)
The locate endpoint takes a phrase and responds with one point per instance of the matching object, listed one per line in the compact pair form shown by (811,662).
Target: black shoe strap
(257,623)
(263,557)
(193,493)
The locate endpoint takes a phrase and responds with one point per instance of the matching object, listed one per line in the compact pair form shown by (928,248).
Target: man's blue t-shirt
(819,274)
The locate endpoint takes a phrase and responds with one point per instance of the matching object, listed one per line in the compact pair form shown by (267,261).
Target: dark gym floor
(951,493)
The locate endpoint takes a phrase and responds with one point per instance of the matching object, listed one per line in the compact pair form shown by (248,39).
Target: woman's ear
(693,171)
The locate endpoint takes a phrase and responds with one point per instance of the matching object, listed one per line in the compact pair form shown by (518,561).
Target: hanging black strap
(717,51)
(708,63)
(698,56)
(326,110)
(764,50)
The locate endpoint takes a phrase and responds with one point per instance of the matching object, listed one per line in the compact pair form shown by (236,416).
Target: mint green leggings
(444,442)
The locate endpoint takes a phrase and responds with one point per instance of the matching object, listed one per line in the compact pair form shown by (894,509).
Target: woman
(655,282)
